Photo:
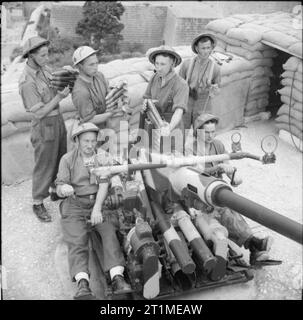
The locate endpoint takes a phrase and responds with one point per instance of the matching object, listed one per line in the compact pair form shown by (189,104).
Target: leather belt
(88,196)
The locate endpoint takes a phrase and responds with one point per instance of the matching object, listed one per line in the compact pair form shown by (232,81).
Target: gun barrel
(224,197)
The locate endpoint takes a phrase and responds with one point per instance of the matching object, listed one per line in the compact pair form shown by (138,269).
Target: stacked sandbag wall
(290,114)
(242,35)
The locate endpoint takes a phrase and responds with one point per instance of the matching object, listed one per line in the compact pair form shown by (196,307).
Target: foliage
(101,24)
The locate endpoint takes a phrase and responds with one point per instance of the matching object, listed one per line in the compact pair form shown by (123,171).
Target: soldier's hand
(64,93)
(96,216)
(165,130)
(227,168)
(66,190)
(237,180)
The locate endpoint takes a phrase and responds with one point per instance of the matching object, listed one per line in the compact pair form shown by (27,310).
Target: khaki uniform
(48,134)
(76,210)
(89,97)
(196,72)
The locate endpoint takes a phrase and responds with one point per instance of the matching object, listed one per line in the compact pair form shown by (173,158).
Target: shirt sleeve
(30,96)
(180,98)
(82,102)
(63,175)
(183,71)
(217,75)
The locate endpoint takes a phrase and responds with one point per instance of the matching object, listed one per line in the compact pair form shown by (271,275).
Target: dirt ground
(34,260)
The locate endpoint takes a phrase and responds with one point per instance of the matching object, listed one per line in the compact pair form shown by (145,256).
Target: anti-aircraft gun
(170,250)
(187,250)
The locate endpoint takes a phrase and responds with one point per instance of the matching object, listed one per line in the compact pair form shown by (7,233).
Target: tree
(101,24)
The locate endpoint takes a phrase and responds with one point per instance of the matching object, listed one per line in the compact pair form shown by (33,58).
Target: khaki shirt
(171,92)
(35,89)
(89,96)
(74,172)
(200,73)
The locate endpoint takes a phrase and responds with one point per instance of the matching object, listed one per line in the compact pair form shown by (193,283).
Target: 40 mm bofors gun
(183,248)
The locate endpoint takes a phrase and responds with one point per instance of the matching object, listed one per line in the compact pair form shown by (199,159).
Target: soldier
(48,133)
(85,198)
(167,88)
(90,88)
(203,77)
(238,229)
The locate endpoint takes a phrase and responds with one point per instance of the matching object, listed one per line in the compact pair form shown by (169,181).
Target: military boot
(120,286)
(259,249)
(41,213)
(84,292)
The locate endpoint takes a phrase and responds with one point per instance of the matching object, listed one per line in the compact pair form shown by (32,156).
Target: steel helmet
(82,53)
(84,127)
(203,35)
(203,118)
(33,43)
(153,52)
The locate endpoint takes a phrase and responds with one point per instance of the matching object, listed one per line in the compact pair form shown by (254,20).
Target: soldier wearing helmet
(239,231)
(85,195)
(48,133)
(169,91)
(90,88)
(203,77)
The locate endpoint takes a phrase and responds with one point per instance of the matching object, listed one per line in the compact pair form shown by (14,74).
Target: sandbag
(231,41)
(259,28)
(238,64)
(220,25)
(259,90)
(295,104)
(279,38)
(14,110)
(284,118)
(252,112)
(225,80)
(4,119)
(292,64)
(292,74)
(269,53)
(265,62)
(296,48)
(296,94)
(251,105)
(130,78)
(262,95)
(220,44)
(8,130)
(261,81)
(262,103)
(293,112)
(247,35)
(259,46)
(294,130)
(249,55)
(136,94)
(23,126)
(289,82)
(291,139)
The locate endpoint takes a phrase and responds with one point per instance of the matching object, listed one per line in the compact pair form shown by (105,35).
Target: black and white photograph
(151,151)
